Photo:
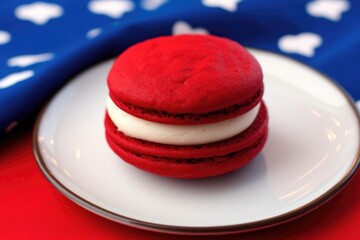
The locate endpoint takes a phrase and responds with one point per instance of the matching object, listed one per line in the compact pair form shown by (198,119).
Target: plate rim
(213,230)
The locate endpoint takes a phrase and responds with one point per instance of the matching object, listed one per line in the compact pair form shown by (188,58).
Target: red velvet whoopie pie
(186,106)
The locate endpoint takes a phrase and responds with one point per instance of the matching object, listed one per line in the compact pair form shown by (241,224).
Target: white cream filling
(179,134)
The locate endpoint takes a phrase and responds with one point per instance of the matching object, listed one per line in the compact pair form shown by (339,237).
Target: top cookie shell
(186,79)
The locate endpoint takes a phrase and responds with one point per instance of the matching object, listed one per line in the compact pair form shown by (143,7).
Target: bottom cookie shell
(190,167)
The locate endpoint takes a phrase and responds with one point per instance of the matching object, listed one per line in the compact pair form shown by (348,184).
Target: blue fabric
(254,23)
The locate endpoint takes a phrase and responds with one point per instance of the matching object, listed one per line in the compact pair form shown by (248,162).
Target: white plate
(311,153)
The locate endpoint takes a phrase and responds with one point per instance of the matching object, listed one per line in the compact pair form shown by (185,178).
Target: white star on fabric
(5,37)
(14,78)
(151,5)
(27,60)
(228,5)
(93,33)
(330,9)
(38,12)
(181,27)
(111,8)
(303,43)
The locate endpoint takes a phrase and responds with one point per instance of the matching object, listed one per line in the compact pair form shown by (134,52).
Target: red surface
(31,208)
(199,75)
(211,159)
